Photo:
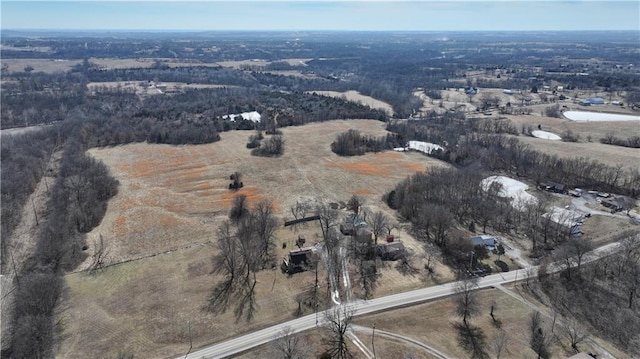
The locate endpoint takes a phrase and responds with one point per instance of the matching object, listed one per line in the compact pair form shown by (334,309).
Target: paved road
(251,340)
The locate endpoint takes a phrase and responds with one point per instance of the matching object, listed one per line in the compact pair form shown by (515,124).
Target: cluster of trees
(271,147)
(245,244)
(602,294)
(77,204)
(352,143)
(25,159)
(493,152)
(611,139)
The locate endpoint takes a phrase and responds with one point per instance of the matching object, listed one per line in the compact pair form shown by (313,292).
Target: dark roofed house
(352,224)
(615,203)
(489,242)
(390,251)
(555,187)
(298,260)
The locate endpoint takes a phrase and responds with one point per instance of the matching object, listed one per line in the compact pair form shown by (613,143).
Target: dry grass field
(312,341)
(355,96)
(430,324)
(170,202)
(608,154)
(170,196)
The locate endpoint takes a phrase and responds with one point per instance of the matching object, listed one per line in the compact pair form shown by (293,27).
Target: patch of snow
(400,149)
(598,116)
(425,147)
(546,135)
(511,188)
(252,116)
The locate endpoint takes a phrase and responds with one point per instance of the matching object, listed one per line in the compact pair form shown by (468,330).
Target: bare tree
(289,345)
(538,339)
(405,264)
(100,252)
(228,263)
(265,224)
(355,204)
(328,219)
(338,322)
(574,333)
(379,222)
(239,209)
(499,344)
(571,253)
(466,299)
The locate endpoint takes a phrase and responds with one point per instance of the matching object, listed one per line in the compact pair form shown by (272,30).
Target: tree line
(77,204)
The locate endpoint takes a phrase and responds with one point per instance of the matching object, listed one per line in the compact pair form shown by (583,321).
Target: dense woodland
(385,66)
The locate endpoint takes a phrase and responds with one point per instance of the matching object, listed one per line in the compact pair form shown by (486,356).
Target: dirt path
(401,338)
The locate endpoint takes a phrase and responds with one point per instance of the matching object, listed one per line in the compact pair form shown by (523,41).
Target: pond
(585,116)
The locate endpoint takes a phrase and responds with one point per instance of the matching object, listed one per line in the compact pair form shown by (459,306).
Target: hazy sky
(432,15)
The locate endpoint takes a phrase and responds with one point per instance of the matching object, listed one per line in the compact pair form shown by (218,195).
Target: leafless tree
(338,322)
(538,340)
(228,263)
(328,219)
(355,204)
(265,224)
(573,332)
(571,253)
(379,222)
(499,344)
(288,345)
(466,299)
(239,209)
(100,252)
(405,263)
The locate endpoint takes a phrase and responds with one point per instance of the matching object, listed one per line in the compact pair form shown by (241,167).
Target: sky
(425,15)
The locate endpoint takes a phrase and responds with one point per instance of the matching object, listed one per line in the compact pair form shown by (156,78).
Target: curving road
(251,340)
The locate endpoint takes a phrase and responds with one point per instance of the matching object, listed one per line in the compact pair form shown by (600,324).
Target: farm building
(470,90)
(554,187)
(298,260)
(489,242)
(614,203)
(390,251)
(596,100)
(351,225)
(566,219)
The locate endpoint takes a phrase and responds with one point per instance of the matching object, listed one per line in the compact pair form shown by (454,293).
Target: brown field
(169,204)
(355,96)
(40,65)
(173,196)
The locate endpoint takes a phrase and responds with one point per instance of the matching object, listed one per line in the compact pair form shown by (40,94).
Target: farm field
(609,154)
(163,222)
(172,196)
